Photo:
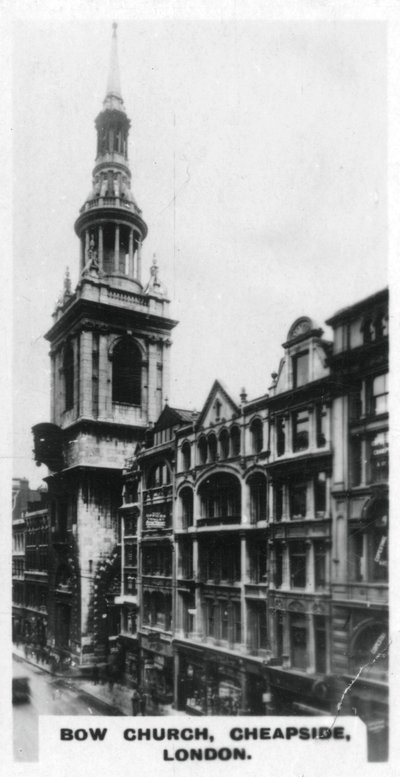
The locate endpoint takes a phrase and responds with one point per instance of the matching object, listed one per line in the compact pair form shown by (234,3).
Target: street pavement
(49,696)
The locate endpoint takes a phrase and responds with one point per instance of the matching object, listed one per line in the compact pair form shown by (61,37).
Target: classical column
(364,462)
(116,249)
(310,643)
(130,250)
(198,624)
(82,256)
(285,566)
(101,253)
(285,640)
(176,675)
(288,433)
(285,502)
(310,565)
(312,432)
(244,564)
(139,261)
(85,374)
(244,559)
(87,240)
(310,501)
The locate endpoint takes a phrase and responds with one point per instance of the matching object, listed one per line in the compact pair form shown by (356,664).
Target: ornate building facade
(262,577)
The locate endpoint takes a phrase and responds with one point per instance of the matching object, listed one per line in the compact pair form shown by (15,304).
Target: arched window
(126,373)
(224,444)
(370,651)
(69,376)
(186,456)
(186,501)
(220,498)
(202,450)
(258,497)
(256,431)
(235,441)
(212,447)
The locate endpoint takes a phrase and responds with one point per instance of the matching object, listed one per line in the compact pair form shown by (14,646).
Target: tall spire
(113,97)
(110,224)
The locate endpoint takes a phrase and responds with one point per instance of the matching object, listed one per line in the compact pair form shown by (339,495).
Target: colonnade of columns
(95,235)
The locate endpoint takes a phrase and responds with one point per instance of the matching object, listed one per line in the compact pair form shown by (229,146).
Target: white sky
(278,132)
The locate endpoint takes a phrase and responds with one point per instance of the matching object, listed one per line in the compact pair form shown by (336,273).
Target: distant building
(29,556)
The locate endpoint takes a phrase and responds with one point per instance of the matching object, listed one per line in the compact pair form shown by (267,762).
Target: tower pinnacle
(113,98)
(110,225)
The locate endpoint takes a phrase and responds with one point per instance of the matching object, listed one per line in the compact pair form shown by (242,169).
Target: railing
(157,491)
(112,202)
(128,298)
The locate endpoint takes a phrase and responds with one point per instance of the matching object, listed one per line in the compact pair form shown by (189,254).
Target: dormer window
(300,362)
(217,408)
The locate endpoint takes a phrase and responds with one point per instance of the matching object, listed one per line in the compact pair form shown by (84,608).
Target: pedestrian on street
(95,674)
(142,703)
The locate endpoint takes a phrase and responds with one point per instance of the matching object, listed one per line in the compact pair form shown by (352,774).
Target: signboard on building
(155,518)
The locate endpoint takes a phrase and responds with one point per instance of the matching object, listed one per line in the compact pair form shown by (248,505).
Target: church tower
(109,350)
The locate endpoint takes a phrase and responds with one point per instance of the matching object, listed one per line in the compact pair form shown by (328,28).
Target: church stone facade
(109,346)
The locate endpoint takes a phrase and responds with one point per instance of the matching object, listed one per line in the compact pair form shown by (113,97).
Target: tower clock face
(300,327)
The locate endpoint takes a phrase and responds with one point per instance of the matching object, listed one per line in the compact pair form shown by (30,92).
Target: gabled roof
(217,388)
(171,416)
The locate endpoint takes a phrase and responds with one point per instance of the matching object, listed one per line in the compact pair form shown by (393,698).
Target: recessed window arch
(220,497)
(186,455)
(212,447)
(68,365)
(186,506)
(235,441)
(256,432)
(224,444)
(202,446)
(258,497)
(127,372)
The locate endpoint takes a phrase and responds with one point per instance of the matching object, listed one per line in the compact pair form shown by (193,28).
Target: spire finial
(113,83)
(67,282)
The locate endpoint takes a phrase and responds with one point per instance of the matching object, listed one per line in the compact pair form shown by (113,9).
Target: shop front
(157,670)
(130,652)
(296,693)
(210,683)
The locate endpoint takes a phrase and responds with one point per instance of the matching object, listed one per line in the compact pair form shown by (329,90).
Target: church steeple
(110,225)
